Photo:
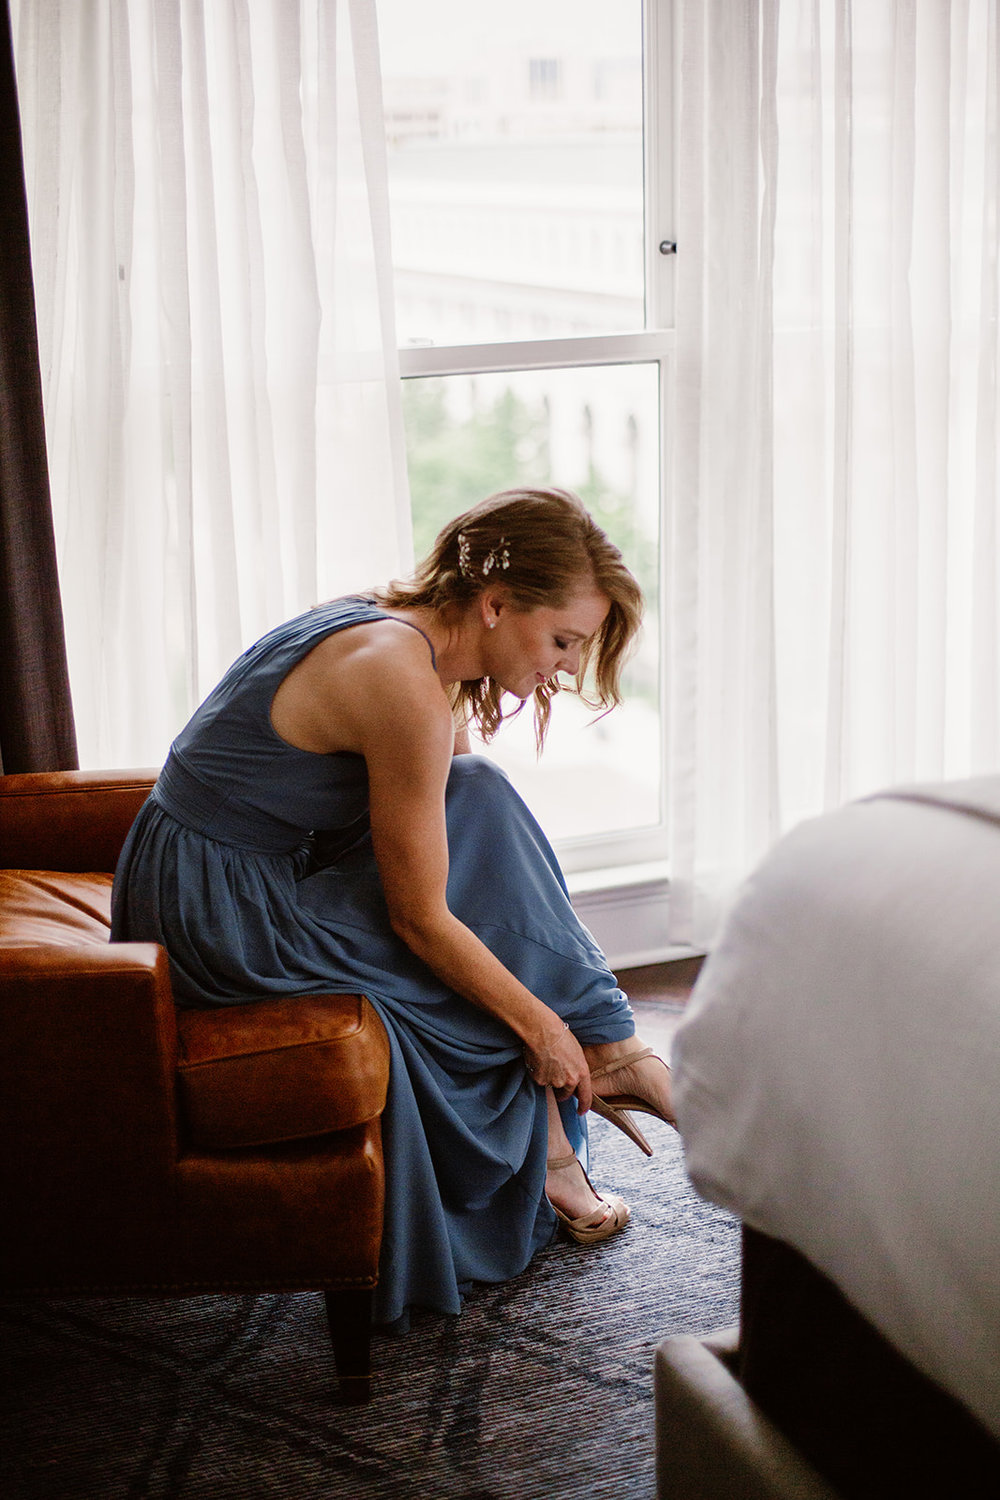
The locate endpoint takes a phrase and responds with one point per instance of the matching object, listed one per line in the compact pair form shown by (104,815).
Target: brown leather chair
(160,1152)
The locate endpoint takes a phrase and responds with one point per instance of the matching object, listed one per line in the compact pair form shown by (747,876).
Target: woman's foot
(584,1214)
(629,1076)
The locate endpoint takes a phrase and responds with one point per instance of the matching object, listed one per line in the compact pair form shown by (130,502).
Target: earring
(491,624)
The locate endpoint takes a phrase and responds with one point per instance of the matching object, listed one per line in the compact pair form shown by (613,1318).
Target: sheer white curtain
(834,580)
(209,223)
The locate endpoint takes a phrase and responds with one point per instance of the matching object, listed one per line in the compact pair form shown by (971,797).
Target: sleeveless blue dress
(252,864)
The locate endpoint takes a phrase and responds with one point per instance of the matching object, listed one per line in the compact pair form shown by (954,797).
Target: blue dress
(252,864)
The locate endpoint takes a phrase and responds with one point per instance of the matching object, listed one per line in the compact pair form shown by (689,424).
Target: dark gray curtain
(36,714)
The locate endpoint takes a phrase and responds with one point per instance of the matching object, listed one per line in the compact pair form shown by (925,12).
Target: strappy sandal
(583,1229)
(615,1106)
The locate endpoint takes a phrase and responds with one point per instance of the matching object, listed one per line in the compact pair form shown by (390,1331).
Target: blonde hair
(541,545)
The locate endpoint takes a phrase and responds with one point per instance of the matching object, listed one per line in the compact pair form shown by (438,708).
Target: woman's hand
(556,1059)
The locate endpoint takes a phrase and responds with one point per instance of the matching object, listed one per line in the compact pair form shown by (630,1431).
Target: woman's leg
(567,1187)
(504,882)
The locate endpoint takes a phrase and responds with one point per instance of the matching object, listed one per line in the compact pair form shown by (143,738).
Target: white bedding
(837,1075)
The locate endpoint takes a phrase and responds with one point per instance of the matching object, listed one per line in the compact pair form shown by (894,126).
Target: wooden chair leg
(349,1318)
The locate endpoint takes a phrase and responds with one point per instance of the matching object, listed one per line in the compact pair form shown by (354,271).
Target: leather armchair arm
(87,1111)
(68,820)
(89,1035)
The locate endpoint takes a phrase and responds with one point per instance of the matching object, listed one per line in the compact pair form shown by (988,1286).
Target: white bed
(837,1074)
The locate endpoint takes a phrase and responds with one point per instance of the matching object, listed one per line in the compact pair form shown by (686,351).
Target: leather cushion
(42,908)
(280,1070)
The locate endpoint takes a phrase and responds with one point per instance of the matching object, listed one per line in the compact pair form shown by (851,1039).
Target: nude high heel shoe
(584,1230)
(615,1106)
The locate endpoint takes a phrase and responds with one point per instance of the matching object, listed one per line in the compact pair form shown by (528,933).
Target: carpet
(542,1388)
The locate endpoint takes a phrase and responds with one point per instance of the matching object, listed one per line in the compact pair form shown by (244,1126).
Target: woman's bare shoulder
(385,654)
(356,682)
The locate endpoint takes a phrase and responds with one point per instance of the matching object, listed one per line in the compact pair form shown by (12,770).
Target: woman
(430,888)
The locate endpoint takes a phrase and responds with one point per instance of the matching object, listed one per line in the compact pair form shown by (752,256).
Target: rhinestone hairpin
(497,557)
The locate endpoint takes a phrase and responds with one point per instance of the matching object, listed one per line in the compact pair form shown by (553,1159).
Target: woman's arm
(389,706)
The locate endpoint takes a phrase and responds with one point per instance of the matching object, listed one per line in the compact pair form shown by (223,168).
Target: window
(529,194)
(544,77)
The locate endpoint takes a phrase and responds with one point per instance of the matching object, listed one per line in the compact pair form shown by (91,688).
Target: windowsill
(627,909)
(654,872)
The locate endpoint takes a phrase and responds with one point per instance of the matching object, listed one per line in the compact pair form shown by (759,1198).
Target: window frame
(625,855)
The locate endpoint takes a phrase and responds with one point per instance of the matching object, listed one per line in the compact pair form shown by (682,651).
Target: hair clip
(497,557)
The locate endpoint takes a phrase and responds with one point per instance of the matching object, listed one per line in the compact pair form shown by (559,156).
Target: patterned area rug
(542,1388)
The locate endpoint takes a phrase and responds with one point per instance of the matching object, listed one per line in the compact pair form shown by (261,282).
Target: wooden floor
(658,994)
(661,984)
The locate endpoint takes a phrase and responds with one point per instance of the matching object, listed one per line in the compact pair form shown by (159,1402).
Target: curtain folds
(209,223)
(207,193)
(36,718)
(834,510)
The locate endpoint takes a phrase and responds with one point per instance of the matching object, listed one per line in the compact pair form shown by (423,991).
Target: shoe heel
(624,1122)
